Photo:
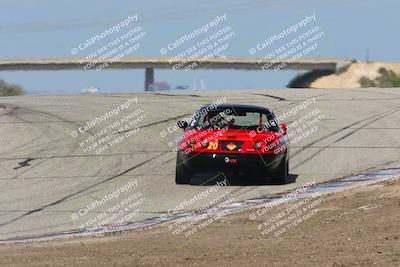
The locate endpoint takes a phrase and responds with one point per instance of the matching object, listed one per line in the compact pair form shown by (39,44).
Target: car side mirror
(182,124)
(283,128)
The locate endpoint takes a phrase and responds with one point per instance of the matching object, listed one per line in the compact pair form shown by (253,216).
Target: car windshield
(234,118)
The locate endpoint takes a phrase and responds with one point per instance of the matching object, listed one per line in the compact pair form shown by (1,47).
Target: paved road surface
(46,177)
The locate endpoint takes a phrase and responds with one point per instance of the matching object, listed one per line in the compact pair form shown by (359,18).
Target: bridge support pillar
(149,78)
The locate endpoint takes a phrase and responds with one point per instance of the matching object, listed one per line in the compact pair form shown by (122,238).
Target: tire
(182,175)
(281,174)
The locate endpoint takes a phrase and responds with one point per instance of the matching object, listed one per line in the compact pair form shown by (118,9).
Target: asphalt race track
(46,177)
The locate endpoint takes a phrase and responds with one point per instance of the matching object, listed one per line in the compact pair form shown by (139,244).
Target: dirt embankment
(359,227)
(349,78)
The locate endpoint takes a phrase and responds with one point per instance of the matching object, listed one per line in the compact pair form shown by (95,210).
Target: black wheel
(281,174)
(182,175)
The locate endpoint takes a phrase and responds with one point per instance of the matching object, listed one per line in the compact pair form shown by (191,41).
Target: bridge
(151,63)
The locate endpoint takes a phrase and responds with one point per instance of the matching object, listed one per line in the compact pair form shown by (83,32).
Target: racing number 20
(213,145)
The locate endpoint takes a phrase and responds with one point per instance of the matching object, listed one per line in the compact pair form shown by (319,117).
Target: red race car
(233,140)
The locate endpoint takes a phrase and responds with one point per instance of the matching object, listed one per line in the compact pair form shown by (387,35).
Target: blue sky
(45,28)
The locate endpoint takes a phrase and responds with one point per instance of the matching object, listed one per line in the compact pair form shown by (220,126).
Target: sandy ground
(351,77)
(358,227)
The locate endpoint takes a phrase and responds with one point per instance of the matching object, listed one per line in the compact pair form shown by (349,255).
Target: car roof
(238,106)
